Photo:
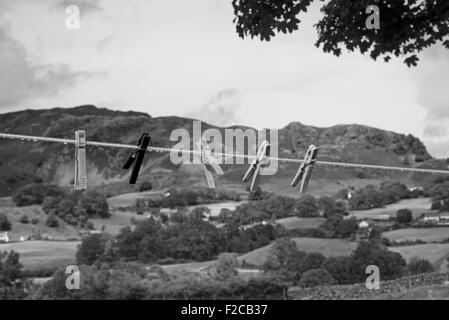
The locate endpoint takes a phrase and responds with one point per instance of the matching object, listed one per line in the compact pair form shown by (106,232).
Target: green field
(292,223)
(417,206)
(424,234)
(43,254)
(129,199)
(436,253)
(62,232)
(327,247)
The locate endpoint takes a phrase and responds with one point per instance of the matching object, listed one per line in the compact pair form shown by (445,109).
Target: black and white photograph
(224,154)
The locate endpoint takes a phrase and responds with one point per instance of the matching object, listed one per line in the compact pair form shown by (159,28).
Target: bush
(24,219)
(419,266)
(368,253)
(52,221)
(226,266)
(145,186)
(35,194)
(306,207)
(404,216)
(340,269)
(5,225)
(436,205)
(34,221)
(140,206)
(12,282)
(311,261)
(316,277)
(92,247)
(337,227)
(95,204)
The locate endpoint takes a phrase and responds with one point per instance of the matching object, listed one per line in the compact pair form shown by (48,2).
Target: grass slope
(424,234)
(417,206)
(327,247)
(436,253)
(292,223)
(43,254)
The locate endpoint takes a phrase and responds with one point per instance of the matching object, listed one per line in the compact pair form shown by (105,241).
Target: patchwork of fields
(38,254)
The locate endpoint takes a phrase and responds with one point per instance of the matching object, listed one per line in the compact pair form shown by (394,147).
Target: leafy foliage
(133,281)
(187,197)
(404,216)
(52,221)
(12,284)
(76,208)
(406,27)
(145,186)
(226,266)
(369,197)
(292,265)
(316,277)
(5,225)
(337,227)
(418,266)
(91,249)
(35,194)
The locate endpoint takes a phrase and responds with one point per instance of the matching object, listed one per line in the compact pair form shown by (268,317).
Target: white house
(4,237)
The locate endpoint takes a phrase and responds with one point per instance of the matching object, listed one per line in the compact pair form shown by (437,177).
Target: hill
(25,162)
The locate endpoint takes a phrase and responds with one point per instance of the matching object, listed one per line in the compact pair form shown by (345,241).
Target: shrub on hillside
(5,225)
(436,205)
(316,277)
(337,227)
(140,206)
(76,208)
(24,219)
(340,269)
(368,253)
(92,247)
(418,266)
(145,186)
(226,266)
(12,282)
(95,204)
(52,221)
(404,216)
(35,194)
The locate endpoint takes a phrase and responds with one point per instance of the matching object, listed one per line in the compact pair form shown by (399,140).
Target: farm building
(441,219)
(4,237)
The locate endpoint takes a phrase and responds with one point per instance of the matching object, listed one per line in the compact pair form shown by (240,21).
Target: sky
(184,58)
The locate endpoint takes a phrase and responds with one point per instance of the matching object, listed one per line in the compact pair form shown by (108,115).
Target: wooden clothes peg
(80,178)
(136,157)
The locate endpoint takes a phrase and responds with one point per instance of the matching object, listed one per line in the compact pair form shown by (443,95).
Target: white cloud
(220,110)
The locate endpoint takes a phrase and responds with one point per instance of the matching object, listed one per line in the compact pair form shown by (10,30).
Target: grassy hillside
(19,229)
(424,234)
(436,253)
(417,206)
(292,223)
(327,247)
(43,254)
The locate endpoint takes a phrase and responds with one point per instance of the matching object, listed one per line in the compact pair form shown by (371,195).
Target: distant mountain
(25,162)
